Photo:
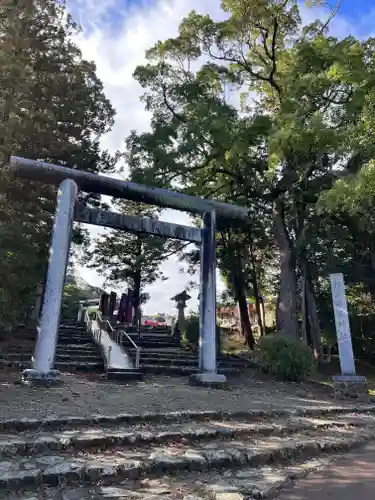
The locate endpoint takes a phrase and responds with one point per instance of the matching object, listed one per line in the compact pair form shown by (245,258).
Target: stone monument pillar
(347,385)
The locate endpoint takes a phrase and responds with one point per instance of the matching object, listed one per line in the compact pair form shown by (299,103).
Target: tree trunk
(304,313)
(313,317)
(254,279)
(311,312)
(263,313)
(245,320)
(287,320)
(136,301)
(238,285)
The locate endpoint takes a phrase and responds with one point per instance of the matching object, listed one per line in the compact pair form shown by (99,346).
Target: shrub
(191,336)
(286,358)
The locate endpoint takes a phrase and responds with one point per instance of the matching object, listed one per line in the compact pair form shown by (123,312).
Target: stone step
(362,413)
(94,366)
(38,442)
(71,326)
(181,357)
(245,483)
(74,340)
(67,358)
(88,345)
(146,330)
(81,358)
(175,353)
(79,349)
(152,336)
(151,360)
(73,333)
(156,345)
(115,374)
(71,366)
(61,350)
(124,463)
(154,360)
(168,369)
(22,349)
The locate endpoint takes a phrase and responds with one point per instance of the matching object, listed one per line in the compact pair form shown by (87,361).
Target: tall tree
(132,259)
(304,119)
(52,107)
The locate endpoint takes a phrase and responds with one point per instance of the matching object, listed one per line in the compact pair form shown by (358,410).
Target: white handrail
(121,334)
(93,326)
(118,334)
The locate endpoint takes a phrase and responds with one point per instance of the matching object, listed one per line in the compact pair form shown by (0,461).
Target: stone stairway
(75,349)
(179,456)
(162,353)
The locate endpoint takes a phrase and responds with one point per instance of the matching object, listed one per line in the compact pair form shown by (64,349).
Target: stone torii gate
(72,180)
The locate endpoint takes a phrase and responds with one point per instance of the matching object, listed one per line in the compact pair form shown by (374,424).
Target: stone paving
(91,439)
(247,457)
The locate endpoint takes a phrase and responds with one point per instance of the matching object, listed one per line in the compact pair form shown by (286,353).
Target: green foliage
(52,108)
(288,359)
(353,195)
(190,338)
(304,119)
(130,259)
(74,291)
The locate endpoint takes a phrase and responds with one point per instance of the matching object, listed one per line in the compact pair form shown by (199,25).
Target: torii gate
(70,181)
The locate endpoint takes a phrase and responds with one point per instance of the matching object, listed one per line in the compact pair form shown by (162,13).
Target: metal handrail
(119,335)
(97,334)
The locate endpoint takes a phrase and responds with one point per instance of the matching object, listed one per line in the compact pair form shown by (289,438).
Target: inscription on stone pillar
(344,338)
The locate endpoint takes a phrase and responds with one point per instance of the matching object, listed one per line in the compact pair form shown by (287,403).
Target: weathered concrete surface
(347,478)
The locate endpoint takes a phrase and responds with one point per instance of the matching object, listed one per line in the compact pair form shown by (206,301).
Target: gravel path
(85,395)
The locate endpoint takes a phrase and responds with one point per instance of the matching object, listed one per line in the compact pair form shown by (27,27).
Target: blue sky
(356,9)
(113,12)
(116,34)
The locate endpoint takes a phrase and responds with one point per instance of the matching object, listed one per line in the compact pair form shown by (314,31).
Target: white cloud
(116,56)
(117,51)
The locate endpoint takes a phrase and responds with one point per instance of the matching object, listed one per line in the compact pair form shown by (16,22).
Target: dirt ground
(86,395)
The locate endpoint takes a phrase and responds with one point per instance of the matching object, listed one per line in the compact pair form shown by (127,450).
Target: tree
(75,290)
(305,119)
(133,259)
(52,108)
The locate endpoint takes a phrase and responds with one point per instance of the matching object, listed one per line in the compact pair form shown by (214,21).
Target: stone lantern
(180,299)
